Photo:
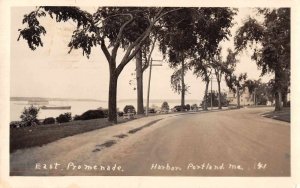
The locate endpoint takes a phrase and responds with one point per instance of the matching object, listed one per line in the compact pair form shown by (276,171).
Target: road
(225,143)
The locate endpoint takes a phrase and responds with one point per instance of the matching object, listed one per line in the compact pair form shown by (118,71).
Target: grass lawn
(26,137)
(284,115)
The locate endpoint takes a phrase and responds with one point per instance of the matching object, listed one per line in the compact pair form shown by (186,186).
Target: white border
(146,181)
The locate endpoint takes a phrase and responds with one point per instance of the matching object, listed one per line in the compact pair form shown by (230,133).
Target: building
(245,98)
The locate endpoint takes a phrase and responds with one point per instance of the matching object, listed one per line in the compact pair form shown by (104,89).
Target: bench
(128,116)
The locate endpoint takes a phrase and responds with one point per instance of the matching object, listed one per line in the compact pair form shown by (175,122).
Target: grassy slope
(42,134)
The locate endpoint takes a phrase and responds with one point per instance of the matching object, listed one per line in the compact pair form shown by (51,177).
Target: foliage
(63,118)
(195,29)
(76,118)
(214,96)
(120,114)
(112,28)
(194,107)
(16,124)
(29,116)
(272,50)
(263,91)
(188,107)
(165,106)
(129,109)
(49,120)
(274,37)
(109,28)
(176,81)
(234,82)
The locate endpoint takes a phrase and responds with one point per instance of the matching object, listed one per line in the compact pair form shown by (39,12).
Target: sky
(50,71)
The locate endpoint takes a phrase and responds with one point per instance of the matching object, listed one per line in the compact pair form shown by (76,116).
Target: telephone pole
(149,80)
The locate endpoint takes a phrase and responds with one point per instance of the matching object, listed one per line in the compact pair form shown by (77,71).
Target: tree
(129,109)
(178,85)
(188,107)
(165,106)
(272,54)
(262,92)
(143,58)
(236,84)
(29,116)
(221,67)
(194,107)
(121,27)
(202,68)
(213,97)
(197,31)
(218,21)
(176,40)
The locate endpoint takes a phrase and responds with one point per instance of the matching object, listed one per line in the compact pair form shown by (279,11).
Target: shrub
(49,120)
(92,114)
(194,107)
(76,117)
(63,118)
(120,114)
(29,116)
(16,124)
(188,107)
(165,106)
(129,108)
(151,110)
(105,112)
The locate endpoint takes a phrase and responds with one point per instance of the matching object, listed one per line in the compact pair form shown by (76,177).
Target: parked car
(178,108)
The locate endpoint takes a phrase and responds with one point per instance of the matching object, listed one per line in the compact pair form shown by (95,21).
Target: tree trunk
(219,90)
(112,98)
(284,99)
(205,95)
(238,96)
(278,95)
(278,100)
(139,82)
(182,86)
(284,96)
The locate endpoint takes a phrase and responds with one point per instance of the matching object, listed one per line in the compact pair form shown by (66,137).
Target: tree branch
(138,42)
(149,56)
(165,13)
(117,43)
(137,45)
(105,51)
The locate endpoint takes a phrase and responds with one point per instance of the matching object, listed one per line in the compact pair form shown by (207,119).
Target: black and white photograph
(150,91)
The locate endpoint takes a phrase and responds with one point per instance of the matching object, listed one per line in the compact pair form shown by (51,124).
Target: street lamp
(148,94)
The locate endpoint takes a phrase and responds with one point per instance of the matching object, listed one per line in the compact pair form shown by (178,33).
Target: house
(245,98)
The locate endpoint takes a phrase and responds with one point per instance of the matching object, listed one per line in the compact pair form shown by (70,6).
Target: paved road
(228,143)
(225,143)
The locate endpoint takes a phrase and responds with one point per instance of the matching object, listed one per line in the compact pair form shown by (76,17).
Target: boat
(38,102)
(56,107)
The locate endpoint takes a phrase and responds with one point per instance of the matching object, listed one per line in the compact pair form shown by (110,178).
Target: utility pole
(211,96)
(149,80)
(255,99)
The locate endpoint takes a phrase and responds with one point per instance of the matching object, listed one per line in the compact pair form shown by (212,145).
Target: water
(77,107)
